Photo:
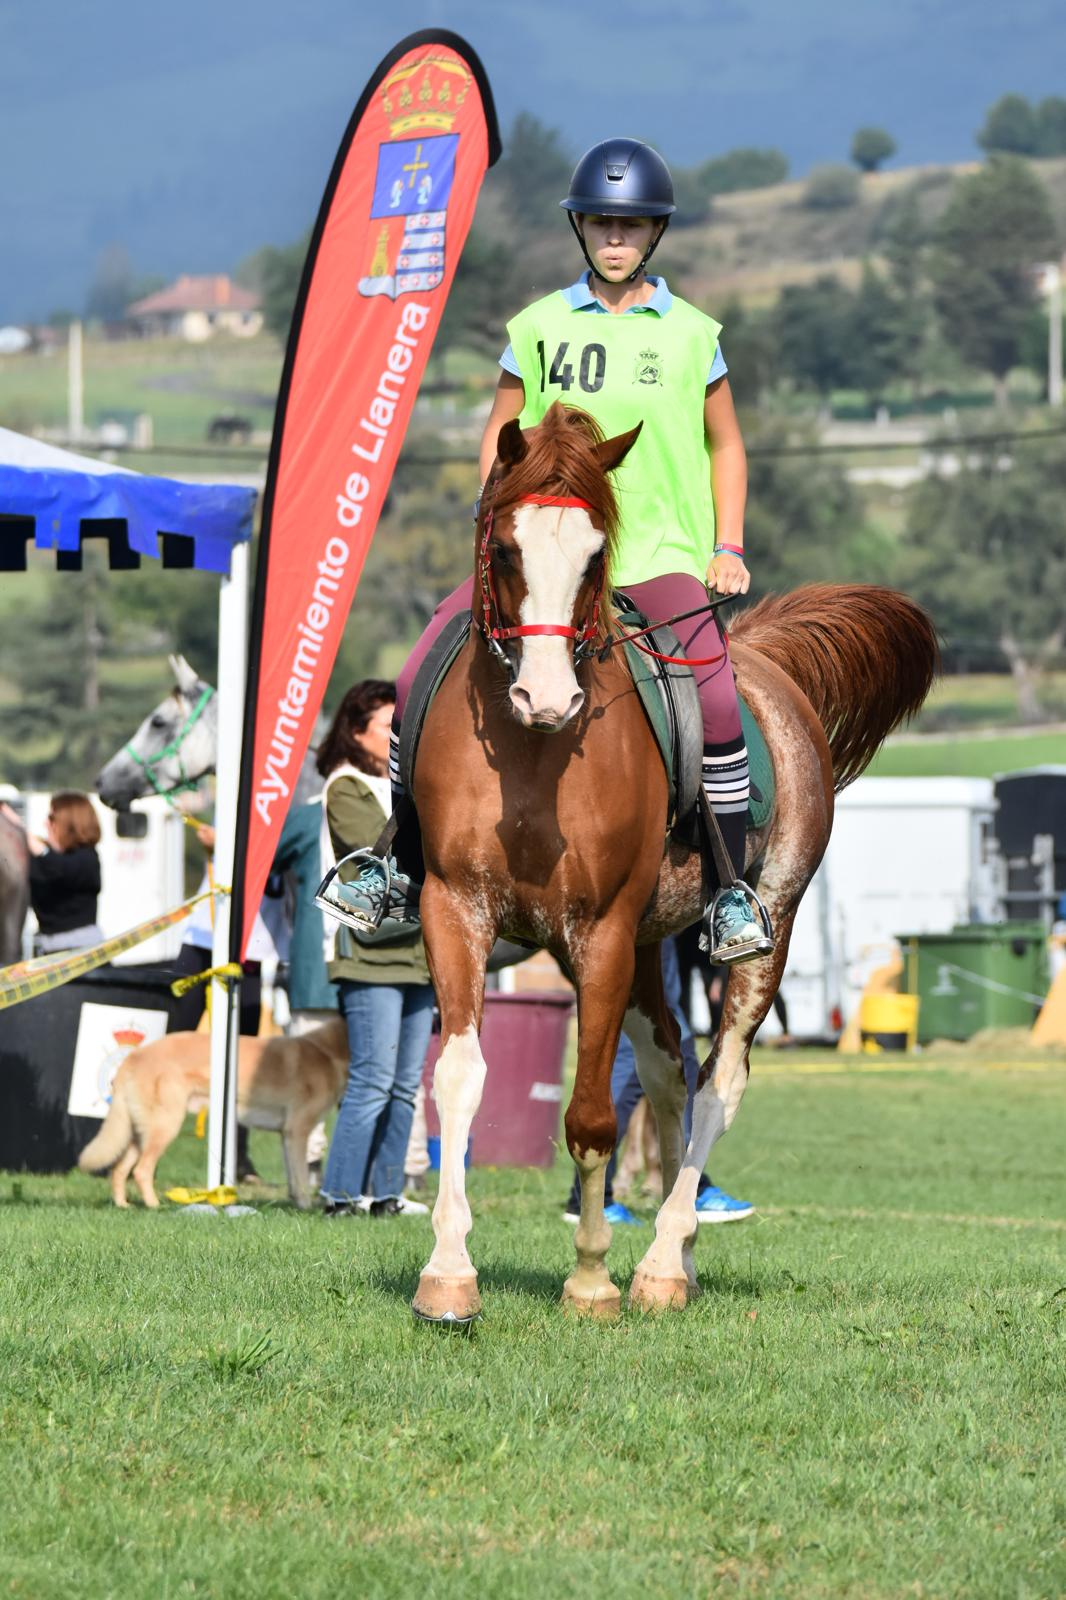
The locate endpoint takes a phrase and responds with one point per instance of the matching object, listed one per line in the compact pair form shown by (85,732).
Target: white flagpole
(225,1007)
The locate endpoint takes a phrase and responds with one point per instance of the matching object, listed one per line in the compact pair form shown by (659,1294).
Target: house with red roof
(197,309)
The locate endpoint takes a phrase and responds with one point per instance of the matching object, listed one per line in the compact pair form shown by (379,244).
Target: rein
(149,763)
(585,633)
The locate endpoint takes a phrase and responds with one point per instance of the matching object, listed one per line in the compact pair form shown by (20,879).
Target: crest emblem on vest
(649,367)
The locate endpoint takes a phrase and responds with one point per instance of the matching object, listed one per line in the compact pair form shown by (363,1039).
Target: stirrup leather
(734,954)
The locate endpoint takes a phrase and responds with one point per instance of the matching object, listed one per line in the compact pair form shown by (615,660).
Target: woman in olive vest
(618,344)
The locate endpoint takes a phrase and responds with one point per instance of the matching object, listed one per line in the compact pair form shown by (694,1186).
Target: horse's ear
(612,452)
(511,446)
(184,676)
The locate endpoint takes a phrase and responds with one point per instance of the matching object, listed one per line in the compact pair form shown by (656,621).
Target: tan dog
(283,1084)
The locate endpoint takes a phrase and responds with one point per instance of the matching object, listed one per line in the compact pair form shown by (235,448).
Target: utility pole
(75,392)
(1053,284)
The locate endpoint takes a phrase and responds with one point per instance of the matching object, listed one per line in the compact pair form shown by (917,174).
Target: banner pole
(225,1007)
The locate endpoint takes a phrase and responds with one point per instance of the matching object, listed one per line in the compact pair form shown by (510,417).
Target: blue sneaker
(735,934)
(714,1205)
(617,1214)
(379,905)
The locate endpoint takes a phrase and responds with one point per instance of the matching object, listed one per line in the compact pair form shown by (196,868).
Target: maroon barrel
(523,1039)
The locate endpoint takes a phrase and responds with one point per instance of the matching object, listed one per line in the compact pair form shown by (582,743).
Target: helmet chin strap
(638,269)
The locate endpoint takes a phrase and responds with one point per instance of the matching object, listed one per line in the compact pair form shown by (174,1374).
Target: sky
(193,134)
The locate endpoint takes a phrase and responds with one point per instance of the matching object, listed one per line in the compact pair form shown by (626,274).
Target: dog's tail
(113,1140)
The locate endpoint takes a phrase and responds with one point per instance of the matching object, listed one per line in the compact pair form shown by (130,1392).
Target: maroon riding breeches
(658,598)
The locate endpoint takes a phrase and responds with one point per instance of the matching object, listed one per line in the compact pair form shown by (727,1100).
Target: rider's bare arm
(729,485)
(510,398)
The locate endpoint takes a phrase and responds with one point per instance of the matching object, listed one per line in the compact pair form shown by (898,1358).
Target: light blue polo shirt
(579,297)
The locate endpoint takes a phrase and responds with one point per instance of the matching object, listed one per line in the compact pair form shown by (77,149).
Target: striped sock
(727,786)
(394,764)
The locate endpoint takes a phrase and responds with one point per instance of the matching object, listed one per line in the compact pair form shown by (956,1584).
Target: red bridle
(584,634)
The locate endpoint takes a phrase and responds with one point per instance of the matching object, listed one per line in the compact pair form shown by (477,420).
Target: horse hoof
(604,1302)
(659,1294)
(452,1302)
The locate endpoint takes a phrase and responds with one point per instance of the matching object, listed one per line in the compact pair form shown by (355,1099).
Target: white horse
(175,746)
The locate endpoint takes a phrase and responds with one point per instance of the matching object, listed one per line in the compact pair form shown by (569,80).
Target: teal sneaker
(379,905)
(616,1214)
(714,1205)
(735,934)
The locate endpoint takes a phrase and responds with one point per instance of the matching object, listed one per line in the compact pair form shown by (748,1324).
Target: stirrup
(735,954)
(359,922)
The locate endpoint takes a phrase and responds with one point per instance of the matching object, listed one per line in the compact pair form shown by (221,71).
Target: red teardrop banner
(390,230)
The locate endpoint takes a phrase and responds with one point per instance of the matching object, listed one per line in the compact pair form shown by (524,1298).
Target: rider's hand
(728,574)
(206,835)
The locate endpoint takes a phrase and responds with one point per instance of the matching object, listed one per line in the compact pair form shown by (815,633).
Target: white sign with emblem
(106,1035)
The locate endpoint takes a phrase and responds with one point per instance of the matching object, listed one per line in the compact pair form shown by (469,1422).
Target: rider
(618,344)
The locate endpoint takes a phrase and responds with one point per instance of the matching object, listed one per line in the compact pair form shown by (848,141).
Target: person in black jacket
(65,874)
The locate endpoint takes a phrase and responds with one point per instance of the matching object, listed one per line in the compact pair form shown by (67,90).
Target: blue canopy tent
(57,500)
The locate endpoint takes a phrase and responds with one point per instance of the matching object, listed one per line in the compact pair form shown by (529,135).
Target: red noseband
(490,606)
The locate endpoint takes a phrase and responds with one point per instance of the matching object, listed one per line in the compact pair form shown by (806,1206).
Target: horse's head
(545,534)
(174,747)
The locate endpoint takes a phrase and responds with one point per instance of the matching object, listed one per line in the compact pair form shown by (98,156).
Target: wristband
(729,550)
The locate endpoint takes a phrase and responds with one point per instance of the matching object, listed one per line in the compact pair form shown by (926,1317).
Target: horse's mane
(561,459)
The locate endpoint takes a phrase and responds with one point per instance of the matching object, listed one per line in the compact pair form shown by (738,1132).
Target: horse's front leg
(656,1039)
(458,939)
(603,973)
(722,1081)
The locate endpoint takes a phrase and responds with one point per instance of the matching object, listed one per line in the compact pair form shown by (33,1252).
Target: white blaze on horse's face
(556,545)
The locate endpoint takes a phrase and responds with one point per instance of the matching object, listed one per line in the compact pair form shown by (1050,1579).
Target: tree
(905,251)
(1051,126)
(482,297)
(876,349)
(534,171)
(985,552)
(996,228)
(813,327)
(870,147)
(274,274)
(829,188)
(112,288)
(745,168)
(750,348)
(1010,125)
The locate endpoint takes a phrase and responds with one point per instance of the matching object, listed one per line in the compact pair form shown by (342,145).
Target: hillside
(761,239)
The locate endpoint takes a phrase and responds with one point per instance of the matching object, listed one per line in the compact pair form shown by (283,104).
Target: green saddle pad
(761,804)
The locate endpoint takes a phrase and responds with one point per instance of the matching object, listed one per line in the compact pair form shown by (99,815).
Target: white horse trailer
(907,855)
(142,869)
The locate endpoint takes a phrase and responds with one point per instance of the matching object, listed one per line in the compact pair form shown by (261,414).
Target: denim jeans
(625,1085)
(388,1034)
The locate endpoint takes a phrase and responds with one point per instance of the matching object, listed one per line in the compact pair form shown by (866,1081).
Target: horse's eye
(500,553)
(159,721)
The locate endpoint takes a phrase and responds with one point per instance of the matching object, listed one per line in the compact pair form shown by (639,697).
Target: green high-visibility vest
(625,369)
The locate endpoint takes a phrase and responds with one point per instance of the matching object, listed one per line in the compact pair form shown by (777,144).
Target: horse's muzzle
(544,719)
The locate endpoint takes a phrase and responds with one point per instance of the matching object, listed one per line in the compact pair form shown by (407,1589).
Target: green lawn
(968,758)
(866,1401)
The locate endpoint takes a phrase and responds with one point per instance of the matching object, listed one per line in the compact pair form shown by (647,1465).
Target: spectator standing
(385,994)
(64,873)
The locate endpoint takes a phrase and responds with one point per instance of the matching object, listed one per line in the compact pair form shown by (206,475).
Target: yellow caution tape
(222,1196)
(180,986)
(201,1123)
(26,979)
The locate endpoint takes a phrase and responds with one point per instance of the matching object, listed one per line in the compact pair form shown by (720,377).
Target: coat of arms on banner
(106,1035)
(409,215)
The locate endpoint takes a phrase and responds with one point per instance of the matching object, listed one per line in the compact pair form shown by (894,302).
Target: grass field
(865,1402)
(979,757)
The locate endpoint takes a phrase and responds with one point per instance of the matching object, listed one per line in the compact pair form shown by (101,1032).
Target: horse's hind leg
(722,1081)
(603,973)
(458,940)
(656,1041)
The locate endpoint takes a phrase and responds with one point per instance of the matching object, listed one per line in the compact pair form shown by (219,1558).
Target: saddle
(667,692)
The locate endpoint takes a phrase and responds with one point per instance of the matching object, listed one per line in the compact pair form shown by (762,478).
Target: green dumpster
(985,975)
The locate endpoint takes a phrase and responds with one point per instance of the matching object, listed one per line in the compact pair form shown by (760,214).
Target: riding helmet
(621,178)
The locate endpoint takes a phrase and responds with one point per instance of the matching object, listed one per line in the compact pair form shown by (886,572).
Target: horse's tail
(865,657)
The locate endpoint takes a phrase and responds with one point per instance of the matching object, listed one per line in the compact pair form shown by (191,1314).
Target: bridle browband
(584,633)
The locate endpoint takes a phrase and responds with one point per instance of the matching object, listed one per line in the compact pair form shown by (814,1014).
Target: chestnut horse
(543,805)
